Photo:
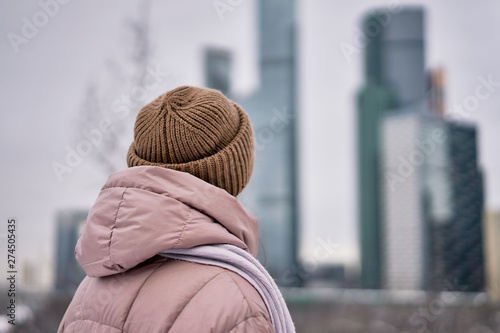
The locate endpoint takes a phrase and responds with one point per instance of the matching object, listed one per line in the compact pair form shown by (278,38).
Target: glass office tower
(394,78)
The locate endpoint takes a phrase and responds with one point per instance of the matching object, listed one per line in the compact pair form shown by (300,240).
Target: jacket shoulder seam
(253,315)
(93,321)
(137,294)
(241,291)
(248,318)
(194,295)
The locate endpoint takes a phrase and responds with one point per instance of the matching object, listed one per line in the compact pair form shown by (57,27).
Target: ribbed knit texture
(196,130)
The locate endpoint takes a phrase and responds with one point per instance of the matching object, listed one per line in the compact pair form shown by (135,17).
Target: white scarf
(241,262)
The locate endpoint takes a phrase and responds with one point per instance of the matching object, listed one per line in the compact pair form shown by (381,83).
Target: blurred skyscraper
(433,200)
(420,189)
(218,69)
(272,192)
(457,244)
(69,273)
(394,77)
(405,139)
(492,249)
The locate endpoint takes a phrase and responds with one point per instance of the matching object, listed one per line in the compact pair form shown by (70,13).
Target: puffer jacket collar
(142,211)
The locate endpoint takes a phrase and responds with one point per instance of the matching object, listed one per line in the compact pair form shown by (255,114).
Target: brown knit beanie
(199,131)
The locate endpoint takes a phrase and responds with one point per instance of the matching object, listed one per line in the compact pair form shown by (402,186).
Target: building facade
(394,78)
(69,273)
(492,251)
(432,204)
(272,192)
(217,66)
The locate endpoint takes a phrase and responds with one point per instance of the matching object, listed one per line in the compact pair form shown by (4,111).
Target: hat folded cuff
(230,168)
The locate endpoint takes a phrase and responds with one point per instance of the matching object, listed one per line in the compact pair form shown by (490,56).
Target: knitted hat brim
(230,168)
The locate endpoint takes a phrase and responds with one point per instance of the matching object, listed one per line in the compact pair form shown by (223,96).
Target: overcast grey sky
(43,87)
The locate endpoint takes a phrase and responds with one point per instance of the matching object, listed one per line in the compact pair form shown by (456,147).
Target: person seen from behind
(167,247)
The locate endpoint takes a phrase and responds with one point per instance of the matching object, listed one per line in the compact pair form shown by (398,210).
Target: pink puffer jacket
(140,212)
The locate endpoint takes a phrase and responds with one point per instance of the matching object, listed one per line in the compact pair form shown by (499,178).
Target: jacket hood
(142,211)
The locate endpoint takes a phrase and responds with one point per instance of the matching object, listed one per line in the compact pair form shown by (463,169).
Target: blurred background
(377,176)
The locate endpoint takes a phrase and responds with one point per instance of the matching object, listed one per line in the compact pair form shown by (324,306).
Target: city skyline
(325,94)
